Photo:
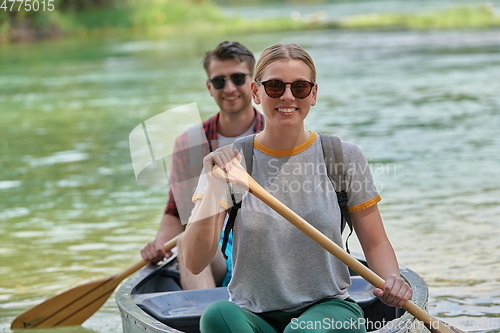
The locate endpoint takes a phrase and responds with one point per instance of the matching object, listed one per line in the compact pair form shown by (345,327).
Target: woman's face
(287,110)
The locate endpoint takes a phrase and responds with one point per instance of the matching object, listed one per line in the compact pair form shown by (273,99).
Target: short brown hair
(227,51)
(287,51)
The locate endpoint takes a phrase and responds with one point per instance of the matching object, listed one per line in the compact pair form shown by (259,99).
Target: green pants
(330,315)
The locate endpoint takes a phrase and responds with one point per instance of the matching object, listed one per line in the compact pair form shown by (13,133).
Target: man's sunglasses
(276,88)
(218,82)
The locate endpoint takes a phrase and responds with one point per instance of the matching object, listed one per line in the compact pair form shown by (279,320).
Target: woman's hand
(396,292)
(224,158)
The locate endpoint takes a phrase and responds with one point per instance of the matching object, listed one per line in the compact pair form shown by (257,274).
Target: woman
(282,280)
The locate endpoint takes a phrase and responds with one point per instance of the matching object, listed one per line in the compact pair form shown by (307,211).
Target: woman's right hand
(224,158)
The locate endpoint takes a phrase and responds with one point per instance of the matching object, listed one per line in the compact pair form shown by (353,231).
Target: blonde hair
(287,51)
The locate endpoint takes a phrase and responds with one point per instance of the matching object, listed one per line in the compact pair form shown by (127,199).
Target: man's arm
(171,225)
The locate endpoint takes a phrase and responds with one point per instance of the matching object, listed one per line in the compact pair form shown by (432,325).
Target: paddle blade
(70,308)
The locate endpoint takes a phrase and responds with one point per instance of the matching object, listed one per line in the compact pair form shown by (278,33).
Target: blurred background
(415,83)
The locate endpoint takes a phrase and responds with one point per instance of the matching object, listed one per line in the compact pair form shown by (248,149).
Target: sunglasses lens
(238,79)
(274,88)
(301,89)
(218,82)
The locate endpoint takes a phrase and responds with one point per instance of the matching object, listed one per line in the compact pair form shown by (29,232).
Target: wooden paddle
(239,176)
(76,305)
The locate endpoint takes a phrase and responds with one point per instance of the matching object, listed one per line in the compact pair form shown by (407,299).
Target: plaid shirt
(185,172)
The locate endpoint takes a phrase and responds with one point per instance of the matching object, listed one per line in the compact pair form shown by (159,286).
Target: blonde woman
(283,281)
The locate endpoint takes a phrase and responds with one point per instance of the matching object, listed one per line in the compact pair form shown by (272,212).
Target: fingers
(396,292)
(223,157)
(153,252)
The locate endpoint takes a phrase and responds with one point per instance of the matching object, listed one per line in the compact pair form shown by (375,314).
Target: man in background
(229,68)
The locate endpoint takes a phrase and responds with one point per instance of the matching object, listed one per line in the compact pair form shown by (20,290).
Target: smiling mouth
(286,110)
(232,98)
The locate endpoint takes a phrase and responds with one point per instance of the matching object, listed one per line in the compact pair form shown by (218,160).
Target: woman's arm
(201,238)
(380,256)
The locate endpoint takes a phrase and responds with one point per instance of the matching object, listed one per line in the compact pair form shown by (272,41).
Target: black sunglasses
(276,88)
(219,81)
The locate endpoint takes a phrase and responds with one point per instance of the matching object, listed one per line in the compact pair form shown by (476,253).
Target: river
(423,106)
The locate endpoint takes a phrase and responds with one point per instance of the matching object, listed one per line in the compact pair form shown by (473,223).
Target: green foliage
(458,17)
(453,18)
(136,16)
(141,15)
(115,17)
(170,13)
(235,3)
(28,25)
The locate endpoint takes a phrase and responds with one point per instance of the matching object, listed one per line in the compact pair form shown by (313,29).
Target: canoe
(152,301)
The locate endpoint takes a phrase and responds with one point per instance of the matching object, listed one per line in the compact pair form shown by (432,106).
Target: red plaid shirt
(185,172)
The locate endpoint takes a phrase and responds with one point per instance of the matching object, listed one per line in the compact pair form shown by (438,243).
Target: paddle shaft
(332,247)
(242,178)
(135,267)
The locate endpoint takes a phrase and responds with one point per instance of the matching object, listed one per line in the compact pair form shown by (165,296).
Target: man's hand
(154,252)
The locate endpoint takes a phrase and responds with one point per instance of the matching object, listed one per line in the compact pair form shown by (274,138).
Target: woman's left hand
(396,291)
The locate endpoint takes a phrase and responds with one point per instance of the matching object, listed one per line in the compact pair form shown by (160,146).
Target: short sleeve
(200,192)
(361,190)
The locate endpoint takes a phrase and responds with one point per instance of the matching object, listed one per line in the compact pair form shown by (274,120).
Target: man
(230,70)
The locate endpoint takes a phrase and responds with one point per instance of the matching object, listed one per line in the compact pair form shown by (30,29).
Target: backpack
(336,169)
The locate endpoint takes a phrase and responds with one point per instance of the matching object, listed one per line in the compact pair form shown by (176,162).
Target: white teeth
(230,98)
(286,110)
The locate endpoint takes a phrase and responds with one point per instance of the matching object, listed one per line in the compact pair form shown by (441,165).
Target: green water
(423,106)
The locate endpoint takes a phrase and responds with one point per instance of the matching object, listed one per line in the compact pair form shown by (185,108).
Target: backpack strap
(245,146)
(336,168)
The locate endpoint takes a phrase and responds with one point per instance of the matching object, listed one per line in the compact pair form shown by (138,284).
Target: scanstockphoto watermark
(327,324)
(490,324)
(351,324)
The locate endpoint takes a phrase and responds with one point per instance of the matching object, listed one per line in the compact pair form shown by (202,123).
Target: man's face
(232,98)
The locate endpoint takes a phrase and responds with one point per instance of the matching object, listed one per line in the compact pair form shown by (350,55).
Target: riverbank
(460,17)
(168,17)
(160,17)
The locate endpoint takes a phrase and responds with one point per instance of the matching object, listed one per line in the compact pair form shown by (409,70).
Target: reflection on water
(423,106)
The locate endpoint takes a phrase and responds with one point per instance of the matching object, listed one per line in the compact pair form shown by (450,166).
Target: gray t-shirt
(276,266)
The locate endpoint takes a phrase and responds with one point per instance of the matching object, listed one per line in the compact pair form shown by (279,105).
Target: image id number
(27,5)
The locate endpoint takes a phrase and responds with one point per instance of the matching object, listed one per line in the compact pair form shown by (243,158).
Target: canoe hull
(145,293)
